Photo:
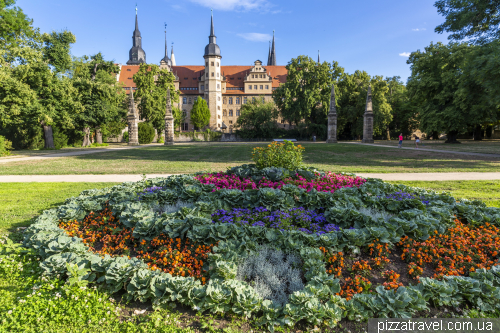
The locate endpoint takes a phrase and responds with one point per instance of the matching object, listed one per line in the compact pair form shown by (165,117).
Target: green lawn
(469,146)
(187,158)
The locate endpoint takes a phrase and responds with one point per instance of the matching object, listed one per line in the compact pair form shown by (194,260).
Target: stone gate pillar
(169,122)
(133,130)
(332,119)
(368,118)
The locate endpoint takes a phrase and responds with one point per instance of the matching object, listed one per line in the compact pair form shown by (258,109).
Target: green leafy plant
(146,133)
(281,155)
(5,146)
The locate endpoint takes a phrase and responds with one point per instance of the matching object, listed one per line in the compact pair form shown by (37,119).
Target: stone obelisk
(332,119)
(133,130)
(169,122)
(368,118)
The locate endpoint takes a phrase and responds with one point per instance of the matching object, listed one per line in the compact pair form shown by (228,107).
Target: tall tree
(306,94)
(352,90)
(200,113)
(56,50)
(435,84)
(152,84)
(15,26)
(476,20)
(404,118)
(258,120)
(104,101)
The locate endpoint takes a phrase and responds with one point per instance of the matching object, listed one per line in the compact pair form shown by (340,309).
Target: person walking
(401,140)
(417,141)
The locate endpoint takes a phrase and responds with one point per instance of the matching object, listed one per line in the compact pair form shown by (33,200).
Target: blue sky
(374,36)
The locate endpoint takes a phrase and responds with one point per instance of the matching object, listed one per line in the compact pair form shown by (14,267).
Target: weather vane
(136,8)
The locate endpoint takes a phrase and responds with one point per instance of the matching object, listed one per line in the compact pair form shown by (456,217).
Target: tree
(351,100)
(15,26)
(103,100)
(435,86)
(152,84)
(306,94)
(258,120)
(404,118)
(56,50)
(476,20)
(200,114)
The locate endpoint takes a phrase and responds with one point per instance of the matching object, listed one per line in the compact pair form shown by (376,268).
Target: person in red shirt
(401,140)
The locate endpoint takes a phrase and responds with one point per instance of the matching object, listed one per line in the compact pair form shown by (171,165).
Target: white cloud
(256,37)
(405,54)
(418,29)
(234,4)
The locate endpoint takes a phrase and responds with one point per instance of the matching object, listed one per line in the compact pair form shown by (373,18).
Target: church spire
(273,53)
(166,60)
(136,53)
(166,48)
(269,55)
(319,61)
(172,56)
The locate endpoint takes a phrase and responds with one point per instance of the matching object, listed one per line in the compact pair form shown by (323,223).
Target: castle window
(224,100)
(218,107)
(212,63)
(230,122)
(217,64)
(202,87)
(213,74)
(267,86)
(250,87)
(230,113)
(230,100)
(224,113)
(218,116)
(218,125)
(255,87)
(253,99)
(244,100)
(218,98)
(185,126)
(189,100)
(237,113)
(184,113)
(261,87)
(237,100)
(218,86)
(261,76)
(184,100)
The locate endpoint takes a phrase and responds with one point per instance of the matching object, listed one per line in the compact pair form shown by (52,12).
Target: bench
(282,140)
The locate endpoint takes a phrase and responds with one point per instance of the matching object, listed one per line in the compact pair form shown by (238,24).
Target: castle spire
(212,49)
(319,61)
(166,60)
(166,50)
(269,55)
(172,56)
(136,53)
(273,53)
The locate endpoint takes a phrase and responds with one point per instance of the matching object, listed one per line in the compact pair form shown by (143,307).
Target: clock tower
(213,79)
(137,55)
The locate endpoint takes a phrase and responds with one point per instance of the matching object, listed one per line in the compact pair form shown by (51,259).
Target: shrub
(125,137)
(160,139)
(60,138)
(5,146)
(281,155)
(146,133)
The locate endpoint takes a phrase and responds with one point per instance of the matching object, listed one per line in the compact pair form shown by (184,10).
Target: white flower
(9,312)
(138,312)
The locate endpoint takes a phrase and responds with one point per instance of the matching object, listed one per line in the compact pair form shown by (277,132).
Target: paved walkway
(426,149)
(435,176)
(71,153)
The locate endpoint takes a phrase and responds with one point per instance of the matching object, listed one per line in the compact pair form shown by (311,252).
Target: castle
(224,88)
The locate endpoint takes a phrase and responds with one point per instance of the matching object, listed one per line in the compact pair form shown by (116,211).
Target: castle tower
(165,62)
(213,79)
(272,61)
(136,55)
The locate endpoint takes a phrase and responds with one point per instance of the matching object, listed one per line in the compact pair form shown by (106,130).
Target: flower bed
(359,248)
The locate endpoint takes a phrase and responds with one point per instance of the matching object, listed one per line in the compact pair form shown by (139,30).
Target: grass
(484,190)
(468,146)
(188,158)
(86,310)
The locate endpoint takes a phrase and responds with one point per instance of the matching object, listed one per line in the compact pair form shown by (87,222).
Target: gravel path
(435,176)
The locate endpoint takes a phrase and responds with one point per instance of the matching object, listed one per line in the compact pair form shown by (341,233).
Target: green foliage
(14,26)
(56,50)
(404,116)
(113,129)
(351,99)
(280,155)
(5,146)
(475,20)
(152,85)
(258,120)
(125,136)
(200,114)
(146,133)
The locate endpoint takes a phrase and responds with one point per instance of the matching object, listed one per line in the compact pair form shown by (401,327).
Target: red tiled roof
(189,76)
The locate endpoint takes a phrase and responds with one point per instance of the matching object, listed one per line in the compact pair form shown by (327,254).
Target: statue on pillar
(133,130)
(368,118)
(332,119)
(169,122)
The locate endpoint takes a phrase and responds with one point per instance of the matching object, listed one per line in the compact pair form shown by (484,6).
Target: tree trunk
(435,135)
(388,134)
(48,136)
(478,133)
(98,135)
(451,137)
(86,137)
